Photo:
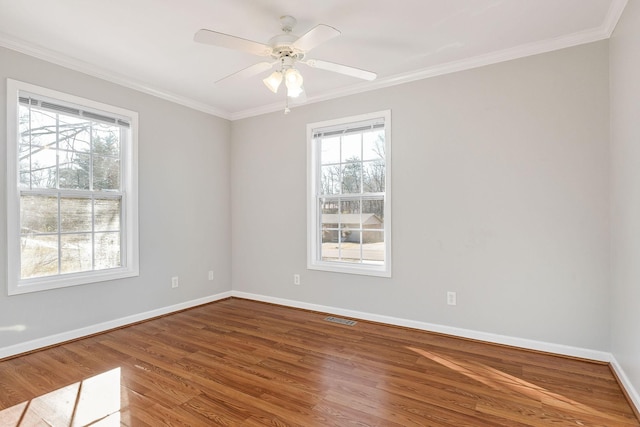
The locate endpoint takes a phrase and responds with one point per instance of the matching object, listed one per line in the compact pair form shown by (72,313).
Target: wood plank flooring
(244,363)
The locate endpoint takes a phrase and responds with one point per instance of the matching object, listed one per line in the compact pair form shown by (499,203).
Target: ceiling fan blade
(231,42)
(315,36)
(342,69)
(249,71)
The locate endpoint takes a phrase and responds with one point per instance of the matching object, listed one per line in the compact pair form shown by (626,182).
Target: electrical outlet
(451,298)
(296,279)
(174,282)
(210,274)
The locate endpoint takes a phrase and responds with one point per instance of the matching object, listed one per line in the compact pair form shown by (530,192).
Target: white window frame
(129,180)
(314,227)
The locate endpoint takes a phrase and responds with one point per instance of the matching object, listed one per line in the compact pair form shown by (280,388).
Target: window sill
(359,269)
(66,280)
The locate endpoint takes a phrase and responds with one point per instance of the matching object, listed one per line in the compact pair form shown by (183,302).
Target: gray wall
(183,207)
(500,193)
(625,192)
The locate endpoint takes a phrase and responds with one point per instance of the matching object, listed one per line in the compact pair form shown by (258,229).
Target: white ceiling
(148,44)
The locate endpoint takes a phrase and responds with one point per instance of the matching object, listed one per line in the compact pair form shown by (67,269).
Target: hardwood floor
(244,363)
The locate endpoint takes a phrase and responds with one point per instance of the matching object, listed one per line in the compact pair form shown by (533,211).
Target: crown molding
(602,32)
(77,65)
(613,16)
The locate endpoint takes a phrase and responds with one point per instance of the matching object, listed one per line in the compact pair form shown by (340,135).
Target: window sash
(94,230)
(350,229)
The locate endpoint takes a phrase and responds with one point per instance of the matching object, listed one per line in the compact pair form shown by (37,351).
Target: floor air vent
(340,321)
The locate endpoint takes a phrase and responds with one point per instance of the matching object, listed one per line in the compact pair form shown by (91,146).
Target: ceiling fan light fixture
(287,49)
(293,80)
(273,81)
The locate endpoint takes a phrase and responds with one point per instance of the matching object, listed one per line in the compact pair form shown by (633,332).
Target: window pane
(106,173)
(351,148)
(330,235)
(329,250)
(343,251)
(74,170)
(43,168)
(373,247)
(107,253)
(350,250)
(75,252)
(38,214)
(74,134)
(106,140)
(330,150)
(107,214)
(350,211)
(329,220)
(43,130)
(373,145)
(330,211)
(373,176)
(330,180)
(373,207)
(350,235)
(38,256)
(75,214)
(350,221)
(351,178)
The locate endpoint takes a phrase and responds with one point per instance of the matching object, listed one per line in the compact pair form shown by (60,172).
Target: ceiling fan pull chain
(287,110)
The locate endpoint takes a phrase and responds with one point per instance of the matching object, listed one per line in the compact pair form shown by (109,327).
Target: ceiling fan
(285,50)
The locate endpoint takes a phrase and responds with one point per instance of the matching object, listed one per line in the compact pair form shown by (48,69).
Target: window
(72,190)
(349,212)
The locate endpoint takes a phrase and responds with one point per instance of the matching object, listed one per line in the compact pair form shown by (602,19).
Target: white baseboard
(626,383)
(565,350)
(105,326)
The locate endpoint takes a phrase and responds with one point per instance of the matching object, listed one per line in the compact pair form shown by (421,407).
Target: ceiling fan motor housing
(283,45)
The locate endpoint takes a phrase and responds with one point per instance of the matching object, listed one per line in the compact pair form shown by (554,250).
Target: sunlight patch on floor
(93,401)
(503,382)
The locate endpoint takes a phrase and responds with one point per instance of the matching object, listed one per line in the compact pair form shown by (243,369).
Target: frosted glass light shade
(273,81)
(293,80)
